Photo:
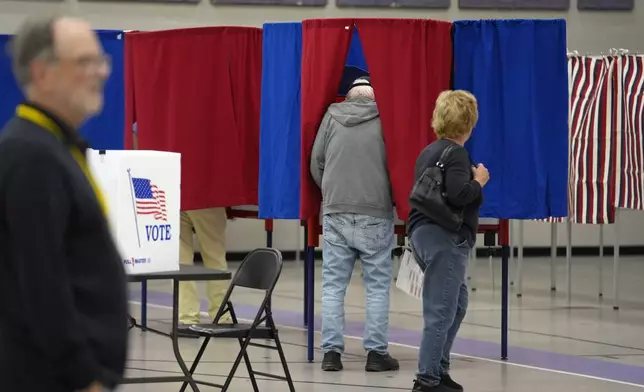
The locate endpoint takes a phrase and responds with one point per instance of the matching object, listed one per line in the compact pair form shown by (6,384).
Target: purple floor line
(470,347)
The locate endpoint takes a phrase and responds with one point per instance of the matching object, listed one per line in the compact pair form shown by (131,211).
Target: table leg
(505,256)
(144,304)
(175,336)
(310,260)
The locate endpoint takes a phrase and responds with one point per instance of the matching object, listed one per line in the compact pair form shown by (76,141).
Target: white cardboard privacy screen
(142,191)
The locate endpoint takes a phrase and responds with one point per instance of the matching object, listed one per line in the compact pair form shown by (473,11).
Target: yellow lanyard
(37,117)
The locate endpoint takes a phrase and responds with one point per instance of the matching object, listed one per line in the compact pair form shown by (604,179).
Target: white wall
(587,32)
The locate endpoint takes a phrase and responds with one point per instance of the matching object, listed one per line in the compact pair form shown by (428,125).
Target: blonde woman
(442,253)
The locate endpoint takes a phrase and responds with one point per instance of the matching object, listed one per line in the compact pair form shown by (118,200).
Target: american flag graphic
(606,152)
(150,200)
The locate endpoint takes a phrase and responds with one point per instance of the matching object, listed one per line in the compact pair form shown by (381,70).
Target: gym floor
(554,345)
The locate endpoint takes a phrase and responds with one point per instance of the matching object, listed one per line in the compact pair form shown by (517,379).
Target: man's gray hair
(361,91)
(34,40)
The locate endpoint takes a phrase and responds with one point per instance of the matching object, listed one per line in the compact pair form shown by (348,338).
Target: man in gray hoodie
(349,164)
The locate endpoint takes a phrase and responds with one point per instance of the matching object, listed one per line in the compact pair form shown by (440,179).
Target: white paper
(410,276)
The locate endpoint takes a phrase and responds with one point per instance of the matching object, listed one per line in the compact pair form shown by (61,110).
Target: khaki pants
(210,226)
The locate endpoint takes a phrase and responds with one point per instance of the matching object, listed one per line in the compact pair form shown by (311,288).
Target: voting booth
(142,192)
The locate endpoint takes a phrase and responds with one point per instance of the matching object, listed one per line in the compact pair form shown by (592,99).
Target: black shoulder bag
(428,196)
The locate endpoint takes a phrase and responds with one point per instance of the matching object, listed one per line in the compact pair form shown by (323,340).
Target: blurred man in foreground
(349,164)
(63,309)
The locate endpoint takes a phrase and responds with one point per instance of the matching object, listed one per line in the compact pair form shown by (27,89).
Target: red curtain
(130,115)
(410,62)
(197,92)
(325,44)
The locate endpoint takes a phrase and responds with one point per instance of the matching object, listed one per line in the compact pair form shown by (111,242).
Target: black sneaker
(448,382)
(381,362)
(420,386)
(332,362)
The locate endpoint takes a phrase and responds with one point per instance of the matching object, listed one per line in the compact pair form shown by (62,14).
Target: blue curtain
(517,69)
(104,132)
(356,57)
(355,66)
(11,95)
(279,142)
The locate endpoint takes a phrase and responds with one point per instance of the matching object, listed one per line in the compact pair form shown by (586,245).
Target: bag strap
(444,155)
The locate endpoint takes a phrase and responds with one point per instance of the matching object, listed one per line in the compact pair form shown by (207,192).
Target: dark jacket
(63,309)
(461,188)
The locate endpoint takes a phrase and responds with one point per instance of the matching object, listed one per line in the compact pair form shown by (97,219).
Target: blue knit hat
(350,77)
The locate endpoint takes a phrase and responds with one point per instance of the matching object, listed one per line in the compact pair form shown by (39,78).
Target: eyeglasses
(94,62)
(89,62)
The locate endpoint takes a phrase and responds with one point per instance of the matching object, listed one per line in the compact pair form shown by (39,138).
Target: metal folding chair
(260,270)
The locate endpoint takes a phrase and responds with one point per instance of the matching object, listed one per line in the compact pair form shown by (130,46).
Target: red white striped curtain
(606,136)
(587,83)
(593,143)
(629,83)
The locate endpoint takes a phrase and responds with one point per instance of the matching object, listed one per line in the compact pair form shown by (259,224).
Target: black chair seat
(260,270)
(234,331)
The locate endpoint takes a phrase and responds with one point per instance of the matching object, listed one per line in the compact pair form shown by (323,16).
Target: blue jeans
(443,256)
(346,238)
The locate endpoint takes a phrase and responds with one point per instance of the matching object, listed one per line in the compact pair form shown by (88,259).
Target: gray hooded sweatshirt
(349,162)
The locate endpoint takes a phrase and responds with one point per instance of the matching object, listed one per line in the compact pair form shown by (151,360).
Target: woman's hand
(481,174)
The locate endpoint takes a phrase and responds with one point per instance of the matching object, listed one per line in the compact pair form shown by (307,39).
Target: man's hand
(93,387)
(481,174)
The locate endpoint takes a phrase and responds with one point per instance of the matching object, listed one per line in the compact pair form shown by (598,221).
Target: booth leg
(600,263)
(513,266)
(306,274)
(472,270)
(269,239)
(298,256)
(397,254)
(268,226)
(144,304)
(490,255)
(520,260)
(616,263)
(553,256)
(468,278)
(309,299)
(505,289)
(395,261)
(569,259)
